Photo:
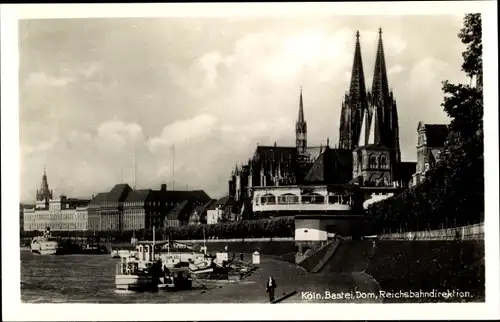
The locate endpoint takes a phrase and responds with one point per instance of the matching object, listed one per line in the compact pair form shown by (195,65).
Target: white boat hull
(134,282)
(122,253)
(45,251)
(44,248)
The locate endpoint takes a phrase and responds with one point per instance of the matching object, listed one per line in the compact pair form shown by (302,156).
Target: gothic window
(383,162)
(372,162)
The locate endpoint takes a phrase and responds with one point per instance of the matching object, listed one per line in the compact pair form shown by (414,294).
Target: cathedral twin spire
(369,117)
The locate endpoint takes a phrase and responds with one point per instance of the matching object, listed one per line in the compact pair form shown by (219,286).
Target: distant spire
(380,86)
(327,142)
(44,194)
(301,118)
(355,102)
(357,89)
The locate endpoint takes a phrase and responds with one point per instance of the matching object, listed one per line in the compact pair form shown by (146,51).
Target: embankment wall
(472,232)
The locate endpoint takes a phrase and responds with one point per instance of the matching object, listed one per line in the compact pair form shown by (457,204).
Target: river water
(82,279)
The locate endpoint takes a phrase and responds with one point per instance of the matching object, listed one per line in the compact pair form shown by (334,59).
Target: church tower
(301,129)
(371,158)
(44,194)
(301,142)
(382,99)
(354,104)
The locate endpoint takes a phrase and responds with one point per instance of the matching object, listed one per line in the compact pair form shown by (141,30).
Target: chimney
(164,187)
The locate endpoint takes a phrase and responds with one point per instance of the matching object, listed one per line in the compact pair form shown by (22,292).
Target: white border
(12,308)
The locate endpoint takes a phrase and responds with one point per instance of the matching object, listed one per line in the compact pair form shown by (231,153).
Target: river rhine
(90,279)
(82,279)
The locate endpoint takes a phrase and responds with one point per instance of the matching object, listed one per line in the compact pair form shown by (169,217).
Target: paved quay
(310,288)
(252,288)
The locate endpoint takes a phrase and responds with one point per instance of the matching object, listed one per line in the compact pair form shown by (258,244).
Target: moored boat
(137,275)
(123,251)
(44,245)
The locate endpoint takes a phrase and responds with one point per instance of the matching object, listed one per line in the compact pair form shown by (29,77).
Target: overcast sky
(93,89)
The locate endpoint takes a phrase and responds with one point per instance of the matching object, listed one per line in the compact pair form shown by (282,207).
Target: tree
(464,103)
(453,192)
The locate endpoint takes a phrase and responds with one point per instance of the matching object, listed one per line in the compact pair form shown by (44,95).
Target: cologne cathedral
(368,152)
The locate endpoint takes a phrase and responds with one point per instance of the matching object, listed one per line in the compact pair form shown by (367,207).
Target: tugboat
(44,245)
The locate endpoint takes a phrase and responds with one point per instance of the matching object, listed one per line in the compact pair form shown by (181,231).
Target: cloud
(39,148)
(215,92)
(41,79)
(114,135)
(209,62)
(184,132)
(395,70)
(91,70)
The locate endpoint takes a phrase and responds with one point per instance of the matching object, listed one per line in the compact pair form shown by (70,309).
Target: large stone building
(63,214)
(125,209)
(368,152)
(120,209)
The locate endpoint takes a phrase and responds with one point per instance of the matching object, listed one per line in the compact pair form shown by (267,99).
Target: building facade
(134,210)
(63,214)
(214,215)
(126,209)
(431,139)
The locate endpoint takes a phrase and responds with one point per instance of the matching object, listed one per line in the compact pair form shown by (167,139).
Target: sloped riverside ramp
(413,266)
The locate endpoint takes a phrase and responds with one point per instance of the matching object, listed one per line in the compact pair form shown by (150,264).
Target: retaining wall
(472,232)
(237,240)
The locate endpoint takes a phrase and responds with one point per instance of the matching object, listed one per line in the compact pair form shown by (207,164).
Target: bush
(275,227)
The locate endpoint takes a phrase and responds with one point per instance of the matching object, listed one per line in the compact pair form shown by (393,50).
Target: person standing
(270,287)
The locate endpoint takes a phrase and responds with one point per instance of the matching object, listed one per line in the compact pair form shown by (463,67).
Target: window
(288,199)
(313,198)
(372,162)
(268,199)
(383,162)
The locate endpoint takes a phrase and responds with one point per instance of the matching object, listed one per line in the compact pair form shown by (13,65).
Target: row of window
(380,162)
(43,226)
(131,222)
(38,217)
(105,204)
(306,199)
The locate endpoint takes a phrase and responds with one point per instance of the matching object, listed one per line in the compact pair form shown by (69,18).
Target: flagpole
(173,166)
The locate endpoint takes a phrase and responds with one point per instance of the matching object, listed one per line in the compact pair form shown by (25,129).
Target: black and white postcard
(279,153)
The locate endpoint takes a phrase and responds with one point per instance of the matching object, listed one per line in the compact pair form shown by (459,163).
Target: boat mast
(204,242)
(135,166)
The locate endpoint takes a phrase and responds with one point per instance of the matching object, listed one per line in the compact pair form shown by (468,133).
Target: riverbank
(414,266)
